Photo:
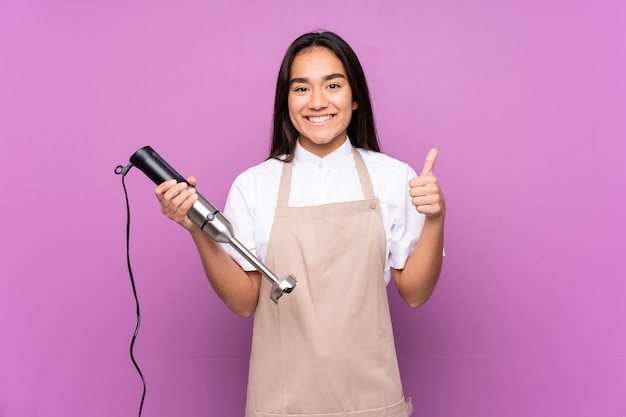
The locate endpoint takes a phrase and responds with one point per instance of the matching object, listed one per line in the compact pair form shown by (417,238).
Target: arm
(417,280)
(238,289)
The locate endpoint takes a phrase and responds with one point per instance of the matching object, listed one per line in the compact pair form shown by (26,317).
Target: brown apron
(326,349)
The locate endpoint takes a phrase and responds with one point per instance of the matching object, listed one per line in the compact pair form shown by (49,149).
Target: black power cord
(120,170)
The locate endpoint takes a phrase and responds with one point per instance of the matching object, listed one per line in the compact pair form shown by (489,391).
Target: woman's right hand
(176,198)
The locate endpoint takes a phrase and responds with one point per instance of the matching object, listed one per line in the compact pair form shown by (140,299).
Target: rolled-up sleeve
(405,221)
(239,210)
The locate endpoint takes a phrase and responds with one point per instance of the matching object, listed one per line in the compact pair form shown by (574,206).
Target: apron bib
(326,349)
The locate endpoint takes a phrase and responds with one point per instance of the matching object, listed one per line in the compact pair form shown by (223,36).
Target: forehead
(316,62)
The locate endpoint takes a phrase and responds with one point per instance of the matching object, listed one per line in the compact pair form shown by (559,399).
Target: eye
(333,86)
(300,89)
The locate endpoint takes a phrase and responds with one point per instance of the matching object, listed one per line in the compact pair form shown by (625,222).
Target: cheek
(292,108)
(292,115)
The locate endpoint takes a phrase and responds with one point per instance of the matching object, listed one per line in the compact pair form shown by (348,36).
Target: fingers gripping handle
(207,217)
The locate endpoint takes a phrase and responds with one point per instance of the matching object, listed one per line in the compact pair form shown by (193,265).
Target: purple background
(525,100)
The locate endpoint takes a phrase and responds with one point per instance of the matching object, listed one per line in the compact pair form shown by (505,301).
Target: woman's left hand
(425,193)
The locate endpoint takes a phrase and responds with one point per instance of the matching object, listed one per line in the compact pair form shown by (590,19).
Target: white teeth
(319,119)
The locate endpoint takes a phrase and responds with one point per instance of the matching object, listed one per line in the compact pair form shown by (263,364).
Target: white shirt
(315,181)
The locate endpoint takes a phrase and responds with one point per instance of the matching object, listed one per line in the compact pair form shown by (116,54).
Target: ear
(355,105)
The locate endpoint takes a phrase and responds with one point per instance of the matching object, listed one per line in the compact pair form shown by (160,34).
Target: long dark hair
(361,130)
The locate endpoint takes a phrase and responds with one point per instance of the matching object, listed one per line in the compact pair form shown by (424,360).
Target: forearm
(237,288)
(417,280)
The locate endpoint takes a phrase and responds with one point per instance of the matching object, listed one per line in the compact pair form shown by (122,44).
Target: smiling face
(320,100)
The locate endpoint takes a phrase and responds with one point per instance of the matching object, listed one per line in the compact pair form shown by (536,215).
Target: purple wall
(526,101)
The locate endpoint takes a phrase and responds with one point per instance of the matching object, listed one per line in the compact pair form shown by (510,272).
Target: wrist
(435,222)
(195,231)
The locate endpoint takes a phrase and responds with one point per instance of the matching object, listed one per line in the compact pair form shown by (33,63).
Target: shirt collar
(333,160)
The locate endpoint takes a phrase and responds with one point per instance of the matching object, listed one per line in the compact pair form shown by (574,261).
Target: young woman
(342,217)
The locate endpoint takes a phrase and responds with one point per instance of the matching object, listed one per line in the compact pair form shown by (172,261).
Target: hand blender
(210,220)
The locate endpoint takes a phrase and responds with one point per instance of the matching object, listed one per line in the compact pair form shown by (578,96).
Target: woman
(342,217)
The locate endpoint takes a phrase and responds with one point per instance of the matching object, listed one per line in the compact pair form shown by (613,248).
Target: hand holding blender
(208,218)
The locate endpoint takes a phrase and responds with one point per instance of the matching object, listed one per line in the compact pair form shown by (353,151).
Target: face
(320,100)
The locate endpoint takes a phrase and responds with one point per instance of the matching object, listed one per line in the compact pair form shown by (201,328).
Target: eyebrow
(325,78)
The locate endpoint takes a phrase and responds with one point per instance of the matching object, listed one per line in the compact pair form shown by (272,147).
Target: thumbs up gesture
(424,190)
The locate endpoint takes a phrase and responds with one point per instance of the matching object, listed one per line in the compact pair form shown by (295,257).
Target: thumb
(429,165)
(191,180)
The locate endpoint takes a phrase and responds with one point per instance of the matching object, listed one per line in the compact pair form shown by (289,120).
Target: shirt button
(320,166)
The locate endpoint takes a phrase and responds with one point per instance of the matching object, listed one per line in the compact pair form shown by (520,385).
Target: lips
(319,119)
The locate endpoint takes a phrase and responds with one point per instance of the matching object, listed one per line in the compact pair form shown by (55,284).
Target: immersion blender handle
(210,220)
(155,167)
(202,213)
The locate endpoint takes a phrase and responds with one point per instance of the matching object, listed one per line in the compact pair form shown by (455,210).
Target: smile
(319,119)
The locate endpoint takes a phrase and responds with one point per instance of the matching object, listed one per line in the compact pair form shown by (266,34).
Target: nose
(317,99)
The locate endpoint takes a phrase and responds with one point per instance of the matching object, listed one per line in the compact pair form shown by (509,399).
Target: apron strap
(364,176)
(285,185)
